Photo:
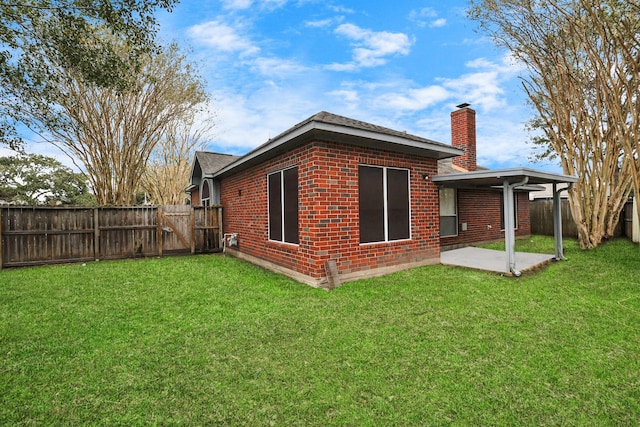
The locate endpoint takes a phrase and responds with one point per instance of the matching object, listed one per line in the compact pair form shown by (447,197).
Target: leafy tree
(33,179)
(42,39)
(111,133)
(582,58)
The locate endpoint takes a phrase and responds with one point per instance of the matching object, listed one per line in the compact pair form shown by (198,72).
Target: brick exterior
(195,197)
(463,136)
(328,210)
(480,210)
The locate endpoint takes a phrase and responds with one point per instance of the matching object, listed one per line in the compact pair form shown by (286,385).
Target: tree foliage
(169,167)
(583,80)
(33,179)
(41,41)
(110,133)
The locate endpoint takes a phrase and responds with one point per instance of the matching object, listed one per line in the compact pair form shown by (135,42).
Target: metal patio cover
(509,180)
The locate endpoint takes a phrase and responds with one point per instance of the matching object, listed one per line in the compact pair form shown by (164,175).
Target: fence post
(96,234)
(159,236)
(220,229)
(0,238)
(193,230)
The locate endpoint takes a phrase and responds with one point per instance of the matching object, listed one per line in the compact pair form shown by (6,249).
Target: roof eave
(314,130)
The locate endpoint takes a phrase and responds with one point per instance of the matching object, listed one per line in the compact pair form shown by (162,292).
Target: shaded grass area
(213,340)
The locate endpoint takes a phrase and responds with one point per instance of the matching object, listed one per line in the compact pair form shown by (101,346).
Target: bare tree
(620,25)
(167,172)
(584,91)
(113,133)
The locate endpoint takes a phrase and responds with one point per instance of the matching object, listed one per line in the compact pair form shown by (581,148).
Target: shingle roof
(213,162)
(334,128)
(446,167)
(335,119)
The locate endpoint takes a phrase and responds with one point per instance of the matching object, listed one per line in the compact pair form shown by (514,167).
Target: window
(448,212)
(283,205)
(205,199)
(383,204)
(515,211)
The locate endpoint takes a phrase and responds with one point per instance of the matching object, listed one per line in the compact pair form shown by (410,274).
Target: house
(334,195)
(545,194)
(206,191)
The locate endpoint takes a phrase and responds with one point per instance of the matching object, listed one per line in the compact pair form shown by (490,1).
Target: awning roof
(510,180)
(496,178)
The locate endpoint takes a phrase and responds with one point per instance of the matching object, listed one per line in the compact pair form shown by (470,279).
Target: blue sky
(270,64)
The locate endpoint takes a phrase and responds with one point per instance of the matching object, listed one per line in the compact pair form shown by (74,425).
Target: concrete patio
(492,260)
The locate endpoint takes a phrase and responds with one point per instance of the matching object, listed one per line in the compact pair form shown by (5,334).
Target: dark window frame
(282,206)
(378,205)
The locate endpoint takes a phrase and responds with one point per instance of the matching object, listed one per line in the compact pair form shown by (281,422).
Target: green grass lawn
(211,340)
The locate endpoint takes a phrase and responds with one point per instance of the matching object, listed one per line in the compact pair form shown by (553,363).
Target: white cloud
(427,16)
(483,87)
(246,4)
(440,22)
(278,67)
(248,119)
(370,47)
(340,9)
(346,96)
(416,99)
(501,141)
(324,23)
(425,12)
(237,4)
(222,37)
(43,148)
(341,67)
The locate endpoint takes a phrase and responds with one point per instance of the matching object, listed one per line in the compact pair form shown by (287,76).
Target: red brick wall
(463,135)
(328,210)
(195,197)
(481,211)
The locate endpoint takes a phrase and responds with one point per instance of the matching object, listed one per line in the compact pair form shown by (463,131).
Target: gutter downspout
(509,225)
(557,220)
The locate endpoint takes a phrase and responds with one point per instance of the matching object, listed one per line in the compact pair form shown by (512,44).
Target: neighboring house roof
(547,193)
(330,127)
(213,162)
(206,163)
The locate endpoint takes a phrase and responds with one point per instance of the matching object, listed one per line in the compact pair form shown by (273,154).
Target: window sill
(284,244)
(391,242)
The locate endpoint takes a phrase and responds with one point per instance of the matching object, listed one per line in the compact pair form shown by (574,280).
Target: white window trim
(208,198)
(455,202)
(386,203)
(283,241)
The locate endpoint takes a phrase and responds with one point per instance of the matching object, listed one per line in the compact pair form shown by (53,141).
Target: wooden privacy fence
(45,235)
(542,219)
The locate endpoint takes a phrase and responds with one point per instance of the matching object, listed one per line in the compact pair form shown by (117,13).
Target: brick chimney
(463,135)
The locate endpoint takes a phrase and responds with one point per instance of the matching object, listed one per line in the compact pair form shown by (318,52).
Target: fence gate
(174,228)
